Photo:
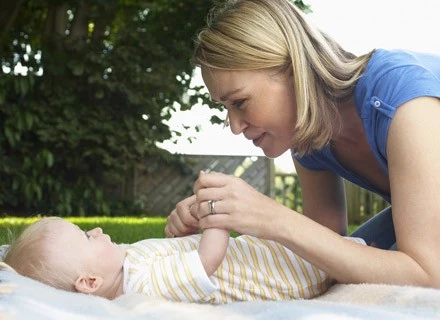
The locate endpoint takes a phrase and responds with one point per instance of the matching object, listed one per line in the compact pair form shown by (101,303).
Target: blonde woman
(371,119)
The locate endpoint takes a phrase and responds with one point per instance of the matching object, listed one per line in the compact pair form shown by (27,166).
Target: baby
(209,268)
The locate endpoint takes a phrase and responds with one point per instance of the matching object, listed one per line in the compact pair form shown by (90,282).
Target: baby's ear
(88,283)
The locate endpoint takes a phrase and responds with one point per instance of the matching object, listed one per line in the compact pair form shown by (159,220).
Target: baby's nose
(95,232)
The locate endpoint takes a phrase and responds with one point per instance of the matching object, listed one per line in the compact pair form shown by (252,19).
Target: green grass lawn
(121,229)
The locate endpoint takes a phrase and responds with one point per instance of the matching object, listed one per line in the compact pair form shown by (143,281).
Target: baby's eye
(87,235)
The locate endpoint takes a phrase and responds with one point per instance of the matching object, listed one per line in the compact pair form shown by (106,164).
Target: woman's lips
(257,141)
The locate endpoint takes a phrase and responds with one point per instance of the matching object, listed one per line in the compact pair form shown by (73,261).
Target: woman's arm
(323,196)
(245,210)
(414,169)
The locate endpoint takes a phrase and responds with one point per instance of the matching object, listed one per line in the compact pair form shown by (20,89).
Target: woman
(370,119)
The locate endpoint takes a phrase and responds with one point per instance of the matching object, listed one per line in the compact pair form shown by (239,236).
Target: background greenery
(85,87)
(121,229)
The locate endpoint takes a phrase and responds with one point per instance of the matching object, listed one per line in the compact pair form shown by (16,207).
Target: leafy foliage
(85,89)
(86,86)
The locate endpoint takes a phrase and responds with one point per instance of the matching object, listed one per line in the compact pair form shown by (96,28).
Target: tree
(86,86)
(85,89)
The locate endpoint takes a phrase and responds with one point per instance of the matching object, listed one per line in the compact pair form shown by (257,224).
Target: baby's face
(93,250)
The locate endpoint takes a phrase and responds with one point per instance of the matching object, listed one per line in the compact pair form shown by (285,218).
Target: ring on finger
(211,204)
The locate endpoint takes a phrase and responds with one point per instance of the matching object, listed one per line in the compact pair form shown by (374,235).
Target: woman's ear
(88,283)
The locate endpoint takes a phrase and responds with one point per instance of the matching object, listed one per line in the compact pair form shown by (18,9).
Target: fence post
(270,165)
(353,194)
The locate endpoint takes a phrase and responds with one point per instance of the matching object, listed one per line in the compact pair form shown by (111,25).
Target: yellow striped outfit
(253,269)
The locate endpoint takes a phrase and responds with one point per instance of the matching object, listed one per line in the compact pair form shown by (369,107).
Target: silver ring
(211,204)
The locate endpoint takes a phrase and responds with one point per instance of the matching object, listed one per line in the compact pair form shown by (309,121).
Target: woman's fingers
(181,221)
(168,230)
(211,180)
(212,193)
(210,207)
(237,205)
(183,211)
(222,221)
(213,190)
(176,227)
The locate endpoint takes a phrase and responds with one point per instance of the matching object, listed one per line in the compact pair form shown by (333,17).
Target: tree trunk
(56,24)
(80,24)
(8,13)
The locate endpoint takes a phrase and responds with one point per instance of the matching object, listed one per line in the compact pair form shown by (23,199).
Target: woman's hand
(181,220)
(238,206)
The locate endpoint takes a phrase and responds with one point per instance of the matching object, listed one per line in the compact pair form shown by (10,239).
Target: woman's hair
(34,255)
(272,34)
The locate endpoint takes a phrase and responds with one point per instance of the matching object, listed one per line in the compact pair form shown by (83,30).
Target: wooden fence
(157,187)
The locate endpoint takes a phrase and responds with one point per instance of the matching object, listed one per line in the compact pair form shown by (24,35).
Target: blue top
(391,78)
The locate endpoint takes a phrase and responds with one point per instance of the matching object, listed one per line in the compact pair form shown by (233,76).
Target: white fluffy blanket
(22,298)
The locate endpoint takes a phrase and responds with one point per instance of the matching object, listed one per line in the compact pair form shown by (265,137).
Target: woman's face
(261,105)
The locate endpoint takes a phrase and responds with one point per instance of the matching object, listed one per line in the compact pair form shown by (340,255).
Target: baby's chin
(123,251)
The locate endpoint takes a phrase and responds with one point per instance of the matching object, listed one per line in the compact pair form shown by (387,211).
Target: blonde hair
(273,34)
(33,255)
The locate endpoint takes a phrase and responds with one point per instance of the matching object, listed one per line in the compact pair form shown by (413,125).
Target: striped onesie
(253,269)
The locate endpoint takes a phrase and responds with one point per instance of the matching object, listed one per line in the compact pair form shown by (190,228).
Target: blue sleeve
(309,161)
(393,89)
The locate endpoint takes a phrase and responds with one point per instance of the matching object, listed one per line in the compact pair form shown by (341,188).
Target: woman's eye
(238,103)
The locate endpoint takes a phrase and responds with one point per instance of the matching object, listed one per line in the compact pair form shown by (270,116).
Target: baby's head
(58,253)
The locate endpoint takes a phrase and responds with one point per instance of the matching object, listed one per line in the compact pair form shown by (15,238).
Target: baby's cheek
(113,251)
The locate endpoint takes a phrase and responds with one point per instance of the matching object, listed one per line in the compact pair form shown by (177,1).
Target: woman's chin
(272,154)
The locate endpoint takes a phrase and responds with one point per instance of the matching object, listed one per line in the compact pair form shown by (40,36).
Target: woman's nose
(237,124)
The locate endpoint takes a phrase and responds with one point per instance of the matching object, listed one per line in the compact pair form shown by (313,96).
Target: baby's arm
(212,248)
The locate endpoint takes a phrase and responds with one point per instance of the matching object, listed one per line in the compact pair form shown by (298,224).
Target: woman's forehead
(225,83)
